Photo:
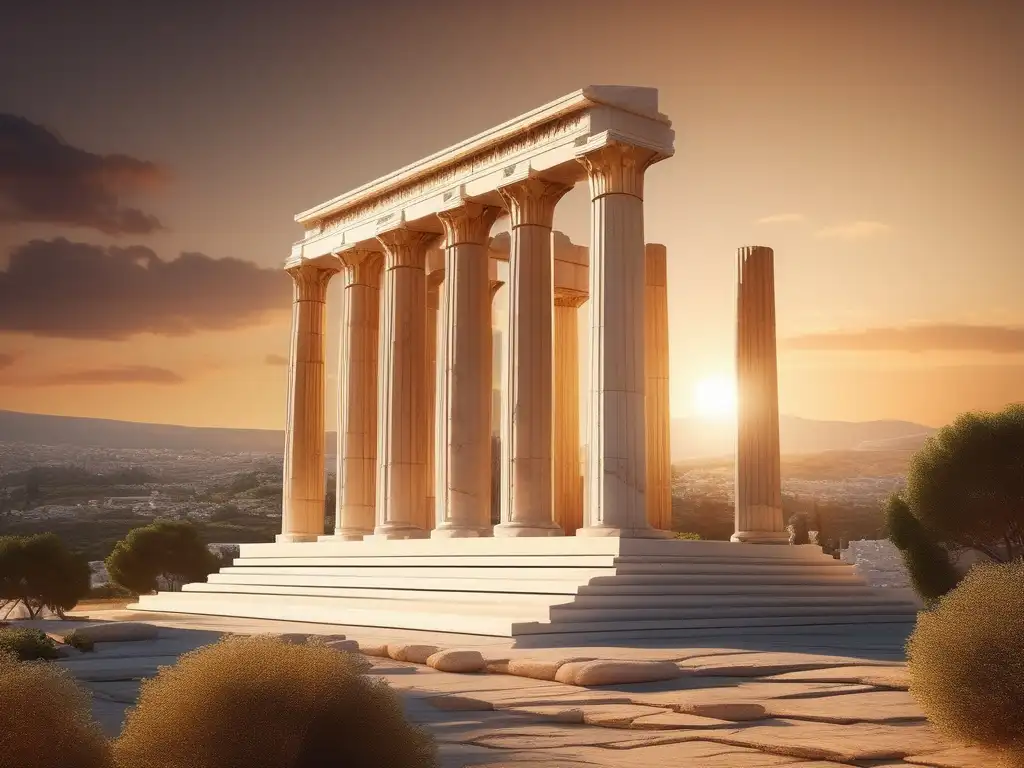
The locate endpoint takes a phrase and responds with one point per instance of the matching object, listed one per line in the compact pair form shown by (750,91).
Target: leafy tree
(166,549)
(799,530)
(39,572)
(966,485)
(927,562)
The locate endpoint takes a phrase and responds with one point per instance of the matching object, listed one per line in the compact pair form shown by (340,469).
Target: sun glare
(714,397)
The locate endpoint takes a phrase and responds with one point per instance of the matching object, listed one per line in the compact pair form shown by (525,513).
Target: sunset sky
(152,157)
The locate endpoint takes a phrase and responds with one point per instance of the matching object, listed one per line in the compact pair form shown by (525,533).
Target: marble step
(527,561)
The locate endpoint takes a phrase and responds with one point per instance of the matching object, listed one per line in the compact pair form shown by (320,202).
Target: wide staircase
(551,589)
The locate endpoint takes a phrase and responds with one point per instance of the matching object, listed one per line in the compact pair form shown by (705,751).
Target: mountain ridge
(690,438)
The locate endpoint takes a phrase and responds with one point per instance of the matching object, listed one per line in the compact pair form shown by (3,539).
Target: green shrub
(171,550)
(76,639)
(109,592)
(260,703)
(928,564)
(45,719)
(687,536)
(27,644)
(966,661)
(799,531)
(39,572)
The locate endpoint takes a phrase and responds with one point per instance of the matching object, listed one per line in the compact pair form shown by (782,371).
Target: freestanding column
(302,514)
(402,434)
(434,384)
(659,462)
(526,439)
(617,471)
(357,400)
(568,493)
(463,508)
(759,517)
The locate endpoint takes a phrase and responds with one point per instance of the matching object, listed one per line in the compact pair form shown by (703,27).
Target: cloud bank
(917,338)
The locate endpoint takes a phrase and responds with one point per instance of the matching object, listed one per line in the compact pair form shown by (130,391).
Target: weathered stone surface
(343,645)
(669,720)
(588,673)
(459,704)
(554,712)
(417,654)
(874,707)
(735,712)
(375,650)
(456,661)
(294,638)
(498,666)
(617,715)
(956,757)
(118,632)
(540,669)
(895,677)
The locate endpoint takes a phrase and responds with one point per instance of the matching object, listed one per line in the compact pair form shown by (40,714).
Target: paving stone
(887,677)
(294,638)
(668,721)
(734,713)
(417,654)
(617,715)
(351,646)
(456,661)
(557,713)
(874,707)
(955,757)
(459,704)
(118,632)
(370,649)
(606,672)
(541,669)
(497,666)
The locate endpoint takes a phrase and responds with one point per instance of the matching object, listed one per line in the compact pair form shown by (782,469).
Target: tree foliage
(39,572)
(261,703)
(927,562)
(966,485)
(799,529)
(168,550)
(966,661)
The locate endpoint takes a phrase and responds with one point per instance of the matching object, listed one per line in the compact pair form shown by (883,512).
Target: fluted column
(357,395)
(434,384)
(617,471)
(659,461)
(402,433)
(568,497)
(759,518)
(302,513)
(527,407)
(464,510)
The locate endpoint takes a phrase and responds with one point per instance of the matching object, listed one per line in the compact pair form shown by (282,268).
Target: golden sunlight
(714,397)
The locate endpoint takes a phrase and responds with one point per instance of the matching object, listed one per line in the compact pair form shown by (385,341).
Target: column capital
(362,266)
(569,298)
(618,168)
(468,223)
(311,281)
(495,287)
(405,247)
(532,201)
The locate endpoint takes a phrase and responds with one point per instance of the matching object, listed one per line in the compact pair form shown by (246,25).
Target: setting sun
(714,397)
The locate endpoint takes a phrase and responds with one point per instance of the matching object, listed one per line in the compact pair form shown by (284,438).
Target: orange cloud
(129,374)
(273,359)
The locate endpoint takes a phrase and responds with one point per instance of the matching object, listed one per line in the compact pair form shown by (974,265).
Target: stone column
(434,382)
(568,498)
(659,421)
(526,435)
(464,510)
(617,471)
(302,513)
(759,517)
(402,435)
(357,395)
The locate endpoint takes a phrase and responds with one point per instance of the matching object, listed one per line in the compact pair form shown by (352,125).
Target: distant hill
(690,438)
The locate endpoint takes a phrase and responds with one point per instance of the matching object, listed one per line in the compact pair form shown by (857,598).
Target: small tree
(168,550)
(261,703)
(966,485)
(928,564)
(966,661)
(798,529)
(39,572)
(45,719)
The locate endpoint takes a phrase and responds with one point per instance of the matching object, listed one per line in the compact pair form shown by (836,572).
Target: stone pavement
(802,701)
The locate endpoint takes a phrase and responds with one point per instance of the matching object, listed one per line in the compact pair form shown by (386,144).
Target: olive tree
(38,572)
(167,549)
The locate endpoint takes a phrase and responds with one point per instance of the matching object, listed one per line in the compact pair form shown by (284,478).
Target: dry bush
(966,660)
(260,703)
(46,719)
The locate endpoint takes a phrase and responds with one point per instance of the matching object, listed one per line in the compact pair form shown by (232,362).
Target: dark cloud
(44,179)
(62,289)
(275,360)
(6,360)
(920,338)
(129,374)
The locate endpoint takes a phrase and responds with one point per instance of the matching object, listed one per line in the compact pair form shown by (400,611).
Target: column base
(350,534)
(760,537)
(515,530)
(624,533)
(390,533)
(456,532)
(292,538)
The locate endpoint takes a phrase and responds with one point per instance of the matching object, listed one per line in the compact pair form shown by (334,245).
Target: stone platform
(544,590)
